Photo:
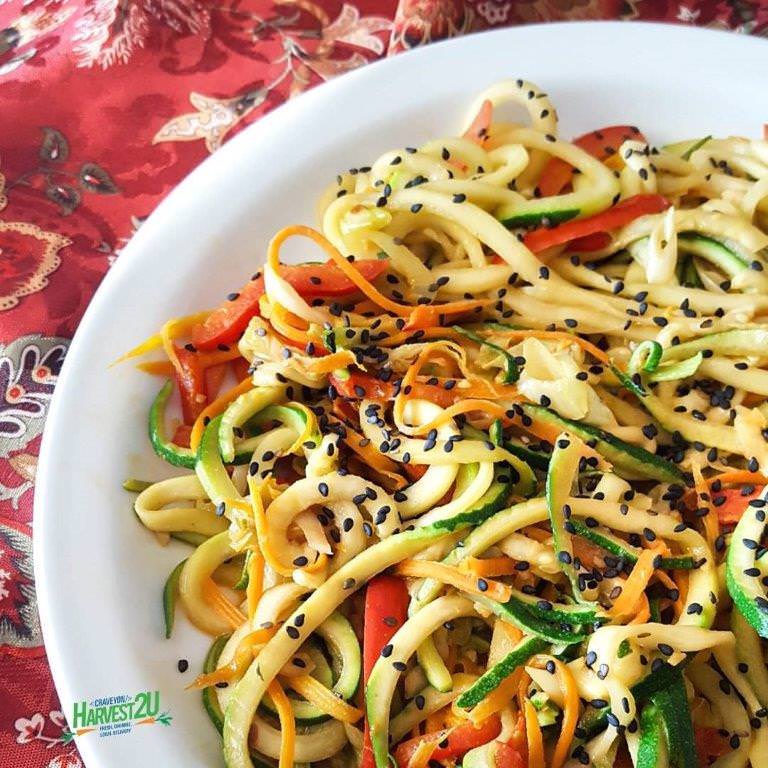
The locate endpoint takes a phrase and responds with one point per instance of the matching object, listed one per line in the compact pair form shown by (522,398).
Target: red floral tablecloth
(105,105)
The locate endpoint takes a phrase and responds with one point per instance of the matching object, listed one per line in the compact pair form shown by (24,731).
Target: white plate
(99,573)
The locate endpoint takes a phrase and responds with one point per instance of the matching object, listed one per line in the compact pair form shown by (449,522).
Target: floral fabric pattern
(106,106)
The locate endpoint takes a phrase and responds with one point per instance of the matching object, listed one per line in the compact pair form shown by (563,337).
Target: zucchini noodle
(488,485)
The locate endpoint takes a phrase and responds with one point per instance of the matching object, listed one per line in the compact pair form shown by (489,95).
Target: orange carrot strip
(489,566)
(364,285)
(329,363)
(316,693)
(453,576)
(260,520)
(287,724)
(255,588)
(711,520)
(635,585)
(242,657)
(373,458)
(532,728)
(218,406)
(570,710)
(157,368)
(221,605)
(643,614)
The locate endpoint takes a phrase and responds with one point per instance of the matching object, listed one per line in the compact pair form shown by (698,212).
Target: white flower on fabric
(688,14)
(29,729)
(5,577)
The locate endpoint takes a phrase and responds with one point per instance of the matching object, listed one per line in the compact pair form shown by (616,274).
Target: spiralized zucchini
(507,445)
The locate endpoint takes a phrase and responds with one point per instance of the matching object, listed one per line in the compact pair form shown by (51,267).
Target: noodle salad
(486,487)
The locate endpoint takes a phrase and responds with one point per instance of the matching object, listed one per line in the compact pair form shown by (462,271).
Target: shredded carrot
(435,721)
(466,406)
(532,728)
(221,605)
(436,333)
(241,659)
(324,699)
(497,699)
(157,368)
(468,666)
(570,710)
(635,585)
(319,564)
(219,356)
(370,291)
(260,520)
(284,322)
(550,432)
(643,613)
(489,566)
(287,724)
(421,757)
(428,315)
(481,125)
(329,363)
(364,285)
(681,579)
(207,360)
(739,476)
(255,588)
(219,405)
(711,520)
(478,386)
(731,477)
(372,458)
(537,534)
(495,590)
(172,329)
(677,605)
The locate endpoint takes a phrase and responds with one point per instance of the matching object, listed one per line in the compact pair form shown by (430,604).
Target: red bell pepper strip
(710,744)
(225,324)
(622,213)
(602,144)
(478,131)
(214,378)
(456,742)
(733,505)
(190,378)
(386,610)
(590,243)
(182,435)
(240,368)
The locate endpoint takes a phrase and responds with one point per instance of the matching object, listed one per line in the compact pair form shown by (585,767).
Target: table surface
(105,105)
